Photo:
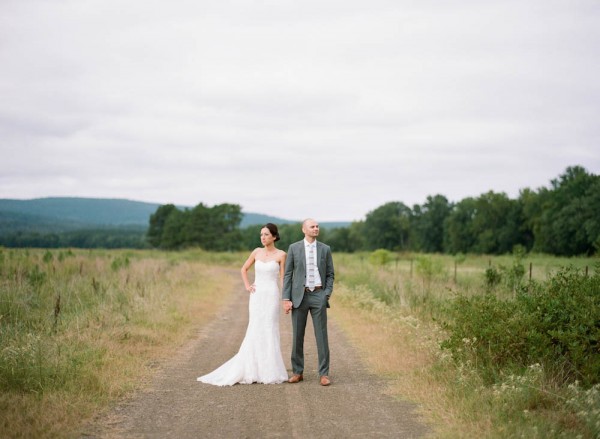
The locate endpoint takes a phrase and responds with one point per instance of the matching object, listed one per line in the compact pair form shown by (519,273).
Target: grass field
(392,311)
(80,329)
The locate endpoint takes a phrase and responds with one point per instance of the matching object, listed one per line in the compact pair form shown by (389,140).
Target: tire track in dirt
(175,405)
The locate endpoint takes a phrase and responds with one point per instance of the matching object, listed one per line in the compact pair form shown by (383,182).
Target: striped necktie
(311,267)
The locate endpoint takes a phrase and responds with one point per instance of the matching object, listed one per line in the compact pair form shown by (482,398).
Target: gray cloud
(324,109)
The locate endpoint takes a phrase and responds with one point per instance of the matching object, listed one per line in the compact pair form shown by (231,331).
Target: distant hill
(251,219)
(25,222)
(81,212)
(59,214)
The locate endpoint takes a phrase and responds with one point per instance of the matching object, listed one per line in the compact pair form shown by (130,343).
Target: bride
(259,359)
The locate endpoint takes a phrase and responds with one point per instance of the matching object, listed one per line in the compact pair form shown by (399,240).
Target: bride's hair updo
(273,229)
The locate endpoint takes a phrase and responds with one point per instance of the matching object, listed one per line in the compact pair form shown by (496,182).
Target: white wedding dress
(259,359)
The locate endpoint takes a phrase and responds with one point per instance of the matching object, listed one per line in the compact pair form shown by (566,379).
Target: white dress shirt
(318,282)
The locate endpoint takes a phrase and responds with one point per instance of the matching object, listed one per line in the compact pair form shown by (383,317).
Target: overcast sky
(325,108)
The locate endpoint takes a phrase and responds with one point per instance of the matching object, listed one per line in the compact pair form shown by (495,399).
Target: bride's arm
(282,268)
(249,262)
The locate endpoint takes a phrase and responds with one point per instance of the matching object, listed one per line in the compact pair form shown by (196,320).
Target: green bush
(486,332)
(555,323)
(428,267)
(119,262)
(511,277)
(492,277)
(381,257)
(48,257)
(565,318)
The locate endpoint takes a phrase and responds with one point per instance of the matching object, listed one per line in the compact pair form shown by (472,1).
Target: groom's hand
(287,306)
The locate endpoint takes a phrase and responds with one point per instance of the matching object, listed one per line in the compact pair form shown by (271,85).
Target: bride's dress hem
(259,358)
(266,383)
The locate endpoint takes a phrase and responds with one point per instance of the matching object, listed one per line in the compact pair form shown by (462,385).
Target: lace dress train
(259,358)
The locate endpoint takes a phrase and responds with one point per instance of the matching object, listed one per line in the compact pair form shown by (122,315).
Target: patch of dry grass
(119,314)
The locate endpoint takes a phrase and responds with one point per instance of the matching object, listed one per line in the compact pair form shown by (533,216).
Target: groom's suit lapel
(302,257)
(321,261)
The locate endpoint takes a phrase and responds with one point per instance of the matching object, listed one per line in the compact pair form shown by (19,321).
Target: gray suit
(316,302)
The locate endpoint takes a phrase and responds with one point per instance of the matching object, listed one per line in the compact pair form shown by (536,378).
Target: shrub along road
(174,405)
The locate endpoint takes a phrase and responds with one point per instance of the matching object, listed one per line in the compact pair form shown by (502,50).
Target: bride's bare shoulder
(281,255)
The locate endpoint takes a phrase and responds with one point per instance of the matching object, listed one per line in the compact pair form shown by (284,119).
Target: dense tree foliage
(569,223)
(494,224)
(131,237)
(157,224)
(211,228)
(428,224)
(459,236)
(349,239)
(388,227)
(562,219)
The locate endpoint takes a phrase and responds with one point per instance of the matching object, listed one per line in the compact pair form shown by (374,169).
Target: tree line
(212,228)
(107,237)
(563,219)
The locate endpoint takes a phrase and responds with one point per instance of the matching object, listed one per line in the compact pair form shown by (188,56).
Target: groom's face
(311,229)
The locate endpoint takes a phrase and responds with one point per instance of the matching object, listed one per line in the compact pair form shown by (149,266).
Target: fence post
(586,271)
(530,268)
(455,264)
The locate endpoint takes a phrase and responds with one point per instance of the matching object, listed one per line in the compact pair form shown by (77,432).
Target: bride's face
(265,237)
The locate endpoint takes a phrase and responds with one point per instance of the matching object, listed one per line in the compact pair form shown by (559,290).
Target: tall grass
(395,306)
(77,328)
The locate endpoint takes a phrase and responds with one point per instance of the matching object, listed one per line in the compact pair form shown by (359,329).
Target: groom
(307,285)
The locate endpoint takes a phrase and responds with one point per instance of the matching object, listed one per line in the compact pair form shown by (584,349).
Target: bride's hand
(251,289)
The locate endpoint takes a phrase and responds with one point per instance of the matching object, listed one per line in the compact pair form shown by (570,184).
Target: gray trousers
(316,304)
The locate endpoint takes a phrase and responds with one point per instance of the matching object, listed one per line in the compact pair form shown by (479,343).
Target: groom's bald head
(310,228)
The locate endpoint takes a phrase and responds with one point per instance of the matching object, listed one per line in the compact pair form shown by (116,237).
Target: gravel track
(175,405)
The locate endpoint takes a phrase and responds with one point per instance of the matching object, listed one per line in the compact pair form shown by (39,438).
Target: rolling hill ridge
(61,214)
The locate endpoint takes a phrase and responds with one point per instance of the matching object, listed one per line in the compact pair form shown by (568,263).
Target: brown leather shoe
(325,381)
(295,378)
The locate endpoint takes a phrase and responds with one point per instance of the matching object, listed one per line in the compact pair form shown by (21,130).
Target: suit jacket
(294,276)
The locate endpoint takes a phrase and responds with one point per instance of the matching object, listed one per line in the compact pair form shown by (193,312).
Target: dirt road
(175,405)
